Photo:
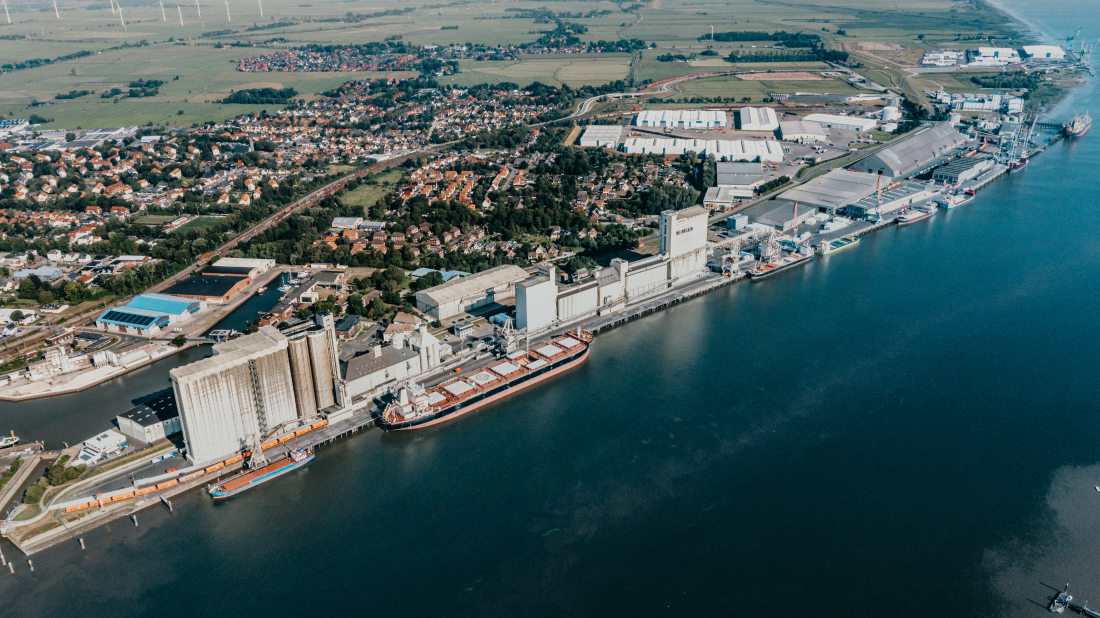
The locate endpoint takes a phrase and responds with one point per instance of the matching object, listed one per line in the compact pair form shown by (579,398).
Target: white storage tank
(891,114)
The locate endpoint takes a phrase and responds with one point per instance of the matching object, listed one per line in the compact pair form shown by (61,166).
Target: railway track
(29,342)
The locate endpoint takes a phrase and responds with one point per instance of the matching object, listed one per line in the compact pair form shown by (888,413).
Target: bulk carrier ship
(417,407)
(1078,126)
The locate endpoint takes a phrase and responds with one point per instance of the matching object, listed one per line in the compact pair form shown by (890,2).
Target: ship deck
(236,483)
(511,368)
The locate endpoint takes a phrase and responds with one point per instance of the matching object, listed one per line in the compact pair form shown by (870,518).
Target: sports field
(200,223)
(155,219)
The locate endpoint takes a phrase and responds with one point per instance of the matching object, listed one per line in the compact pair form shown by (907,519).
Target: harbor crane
(1070,39)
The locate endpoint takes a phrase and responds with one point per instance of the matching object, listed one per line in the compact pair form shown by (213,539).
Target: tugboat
(9,441)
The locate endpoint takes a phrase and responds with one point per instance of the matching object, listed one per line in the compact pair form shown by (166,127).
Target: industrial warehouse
(149,314)
(730,150)
(680,118)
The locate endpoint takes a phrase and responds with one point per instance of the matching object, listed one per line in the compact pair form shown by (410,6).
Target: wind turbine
(163,15)
(261,8)
(120,18)
(112,6)
(199,9)
(55,11)
(181,14)
(6,10)
(228,17)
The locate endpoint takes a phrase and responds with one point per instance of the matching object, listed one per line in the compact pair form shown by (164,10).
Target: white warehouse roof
(758,119)
(1045,51)
(688,117)
(462,287)
(842,122)
(733,150)
(601,135)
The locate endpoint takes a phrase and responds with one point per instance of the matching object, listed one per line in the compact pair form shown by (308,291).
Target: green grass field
(365,196)
(552,69)
(207,74)
(156,219)
(200,223)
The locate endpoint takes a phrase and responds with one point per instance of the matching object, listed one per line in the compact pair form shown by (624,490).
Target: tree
(45,297)
(179,341)
(17,315)
(74,292)
(430,280)
(27,289)
(377,309)
(70,136)
(355,304)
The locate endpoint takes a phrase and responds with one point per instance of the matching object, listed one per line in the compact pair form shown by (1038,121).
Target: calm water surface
(907,428)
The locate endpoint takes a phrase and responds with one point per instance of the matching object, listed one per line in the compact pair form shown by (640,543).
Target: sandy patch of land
(879,46)
(784,76)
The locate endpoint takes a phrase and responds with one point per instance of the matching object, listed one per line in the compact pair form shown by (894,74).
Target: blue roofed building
(149,314)
(173,305)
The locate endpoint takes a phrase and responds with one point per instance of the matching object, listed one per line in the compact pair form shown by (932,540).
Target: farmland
(157,46)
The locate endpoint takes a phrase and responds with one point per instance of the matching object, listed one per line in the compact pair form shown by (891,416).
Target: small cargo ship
(1078,126)
(242,482)
(1018,165)
(828,248)
(913,216)
(951,201)
(9,441)
(417,407)
(784,263)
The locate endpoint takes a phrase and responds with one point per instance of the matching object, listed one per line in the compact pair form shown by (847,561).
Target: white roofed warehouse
(757,119)
(844,123)
(729,150)
(462,294)
(681,118)
(605,136)
(802,131)
(914,155)
(1045,52)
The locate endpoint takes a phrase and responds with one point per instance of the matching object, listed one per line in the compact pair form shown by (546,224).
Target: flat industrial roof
(162,303)
(459,288)
(204,285)
(129,316)
(157,410)
(836,189)
(217,269)
(230,353)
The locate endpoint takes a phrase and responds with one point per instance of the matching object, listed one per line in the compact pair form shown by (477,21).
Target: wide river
(907,428)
